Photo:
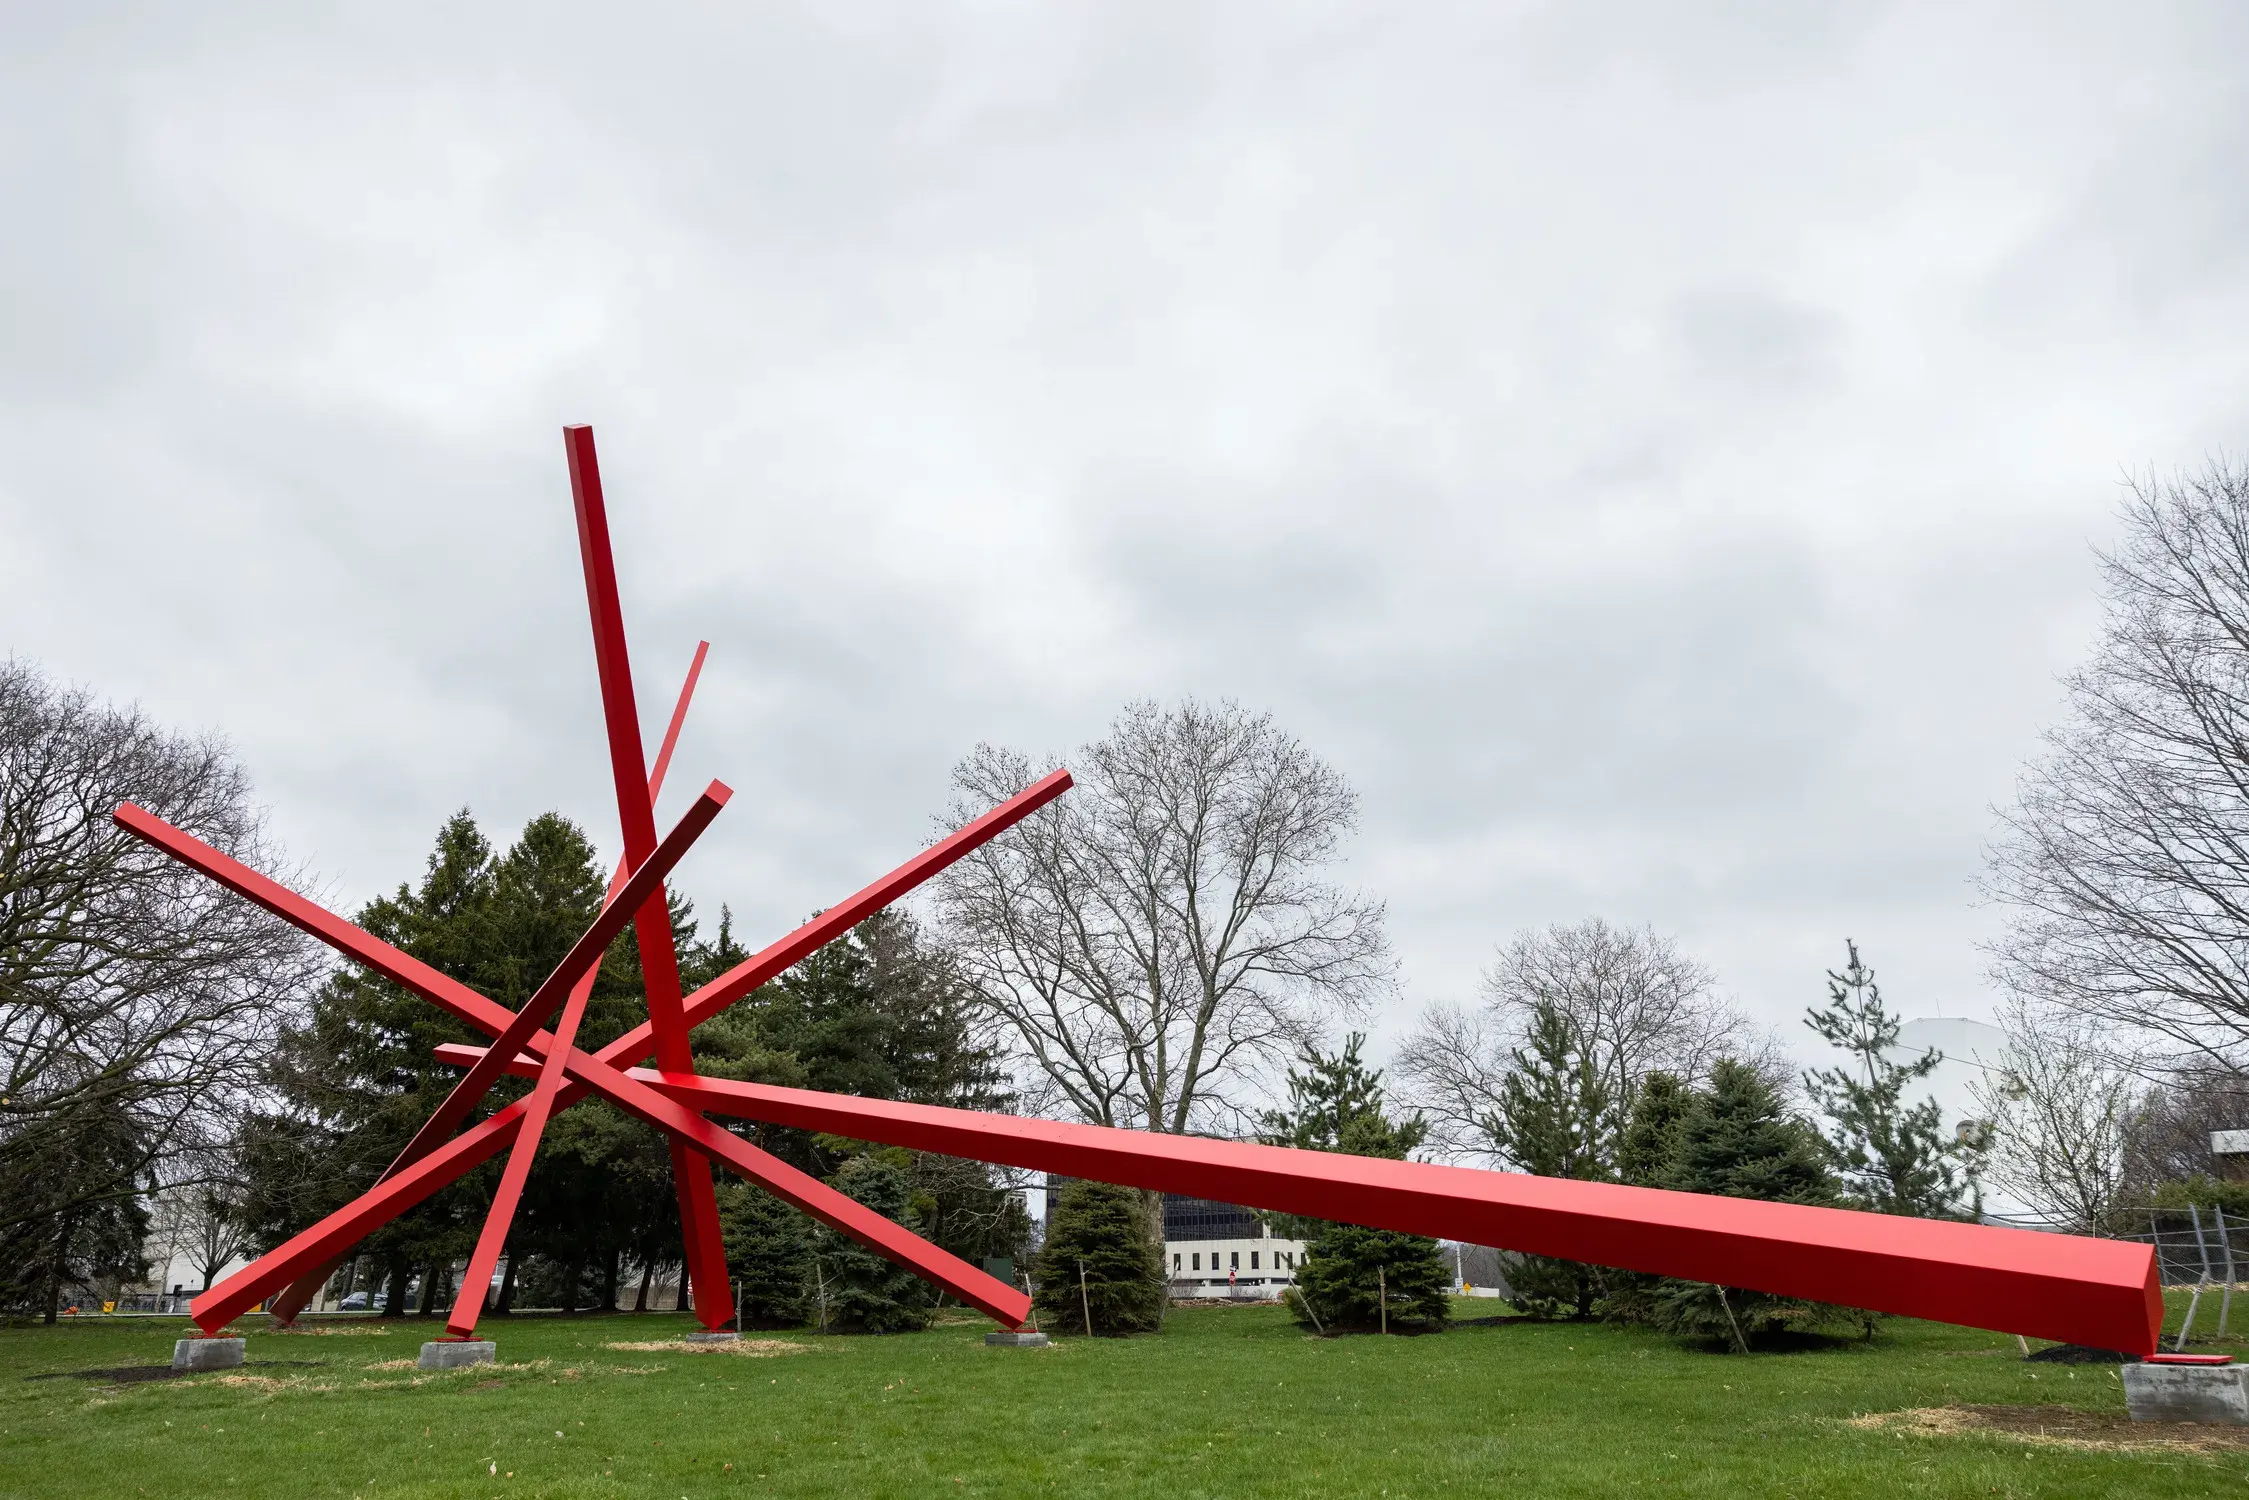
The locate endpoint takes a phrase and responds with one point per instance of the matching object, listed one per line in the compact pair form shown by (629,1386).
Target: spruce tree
(768,1256)
(856,1290)
(1645,1155)
(1892,1156)
(1099,1255)
(1553,1120)
(1352,1276)
(1740,1143)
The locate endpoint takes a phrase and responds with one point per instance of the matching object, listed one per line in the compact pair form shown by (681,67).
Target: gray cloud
(1653,454)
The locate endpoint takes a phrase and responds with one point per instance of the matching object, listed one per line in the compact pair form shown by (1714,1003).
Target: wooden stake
(1382,1298)
(1085,1301)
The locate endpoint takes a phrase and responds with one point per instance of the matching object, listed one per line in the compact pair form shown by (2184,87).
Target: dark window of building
(1198,1262)
(1175,1262)
(1237,1259)
(1253,1260)
(1201,1219)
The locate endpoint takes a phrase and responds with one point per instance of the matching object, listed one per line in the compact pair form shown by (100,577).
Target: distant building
(1218,1249)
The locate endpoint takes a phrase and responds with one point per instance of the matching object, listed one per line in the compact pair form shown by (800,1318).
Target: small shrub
(1101,1232)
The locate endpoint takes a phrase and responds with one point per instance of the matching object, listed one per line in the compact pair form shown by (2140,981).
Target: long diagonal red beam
(577,972)
(659,956)
(2101,1293)
(590,1076)
(470,1091)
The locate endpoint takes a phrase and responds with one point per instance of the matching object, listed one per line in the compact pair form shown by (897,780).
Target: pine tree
(1739,1143)
(1892,1156)
(1554,1121)
(1100,1255)
(1351,1276)
(856,1290)
(1645,1156)
(768,1256)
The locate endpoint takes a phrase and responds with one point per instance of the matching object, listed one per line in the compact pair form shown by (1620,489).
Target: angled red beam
(275,1271)
(576,972)
(839,919)
(659,959)
(2101,1293)
(679,718)
(298,1295)
(468,1303)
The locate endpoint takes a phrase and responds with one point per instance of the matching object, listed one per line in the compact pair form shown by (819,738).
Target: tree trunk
(394,1295)
(54,1270)
(506,1302)
(683,1302)
(609,1281)
(427,1303)
(570,1278)
(647,1274)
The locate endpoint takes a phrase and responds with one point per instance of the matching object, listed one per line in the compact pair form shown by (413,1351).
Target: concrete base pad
(2187,1393)
(449,1354)
(714,1336)
(206,1354)
(1016,1340)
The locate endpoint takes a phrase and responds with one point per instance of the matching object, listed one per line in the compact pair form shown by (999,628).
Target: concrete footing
(714,1336)
(2187,1393)
(455,1354)
(206,1354)
(1016,1340)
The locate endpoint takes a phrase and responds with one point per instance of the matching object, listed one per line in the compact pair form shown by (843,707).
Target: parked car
(356,1302)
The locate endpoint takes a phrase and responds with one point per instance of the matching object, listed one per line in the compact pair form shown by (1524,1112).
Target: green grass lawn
(1225,1402)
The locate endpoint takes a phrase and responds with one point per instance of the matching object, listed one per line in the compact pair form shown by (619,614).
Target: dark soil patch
(2082,1354)
(137,1374)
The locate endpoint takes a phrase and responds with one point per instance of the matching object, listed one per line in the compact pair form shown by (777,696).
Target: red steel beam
(2101,1293)
(300,1255)
(679,717)
(659,958)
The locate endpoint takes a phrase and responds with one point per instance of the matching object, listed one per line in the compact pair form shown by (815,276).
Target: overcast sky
(1654,452)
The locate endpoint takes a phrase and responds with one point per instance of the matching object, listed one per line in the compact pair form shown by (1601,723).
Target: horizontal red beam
(2101,1293)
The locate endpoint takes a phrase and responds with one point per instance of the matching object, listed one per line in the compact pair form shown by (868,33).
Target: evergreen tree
(768,1256)
(1646,1154)
(1554,1120)
(1651,1133)
(1892,1156)
(857,1290)
(1099,1254)
(1351,1276)
(1739,1143)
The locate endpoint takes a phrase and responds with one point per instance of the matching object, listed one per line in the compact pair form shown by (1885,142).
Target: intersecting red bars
(437,1156)
(2102,1293)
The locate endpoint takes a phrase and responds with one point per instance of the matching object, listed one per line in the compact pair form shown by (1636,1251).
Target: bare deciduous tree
(2126,854)
(2060,1107)
(1153,937)
(137,999)
(1633,1000)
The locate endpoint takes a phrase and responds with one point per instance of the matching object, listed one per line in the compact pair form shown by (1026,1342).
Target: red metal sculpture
(2098,1292)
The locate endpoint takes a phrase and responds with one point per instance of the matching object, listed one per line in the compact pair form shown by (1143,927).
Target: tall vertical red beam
(659,959)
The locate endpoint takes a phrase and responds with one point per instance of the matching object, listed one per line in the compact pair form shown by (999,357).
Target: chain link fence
(2197,1248)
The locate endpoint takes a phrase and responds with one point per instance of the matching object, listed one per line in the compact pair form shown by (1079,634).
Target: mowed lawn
(1225,1402)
